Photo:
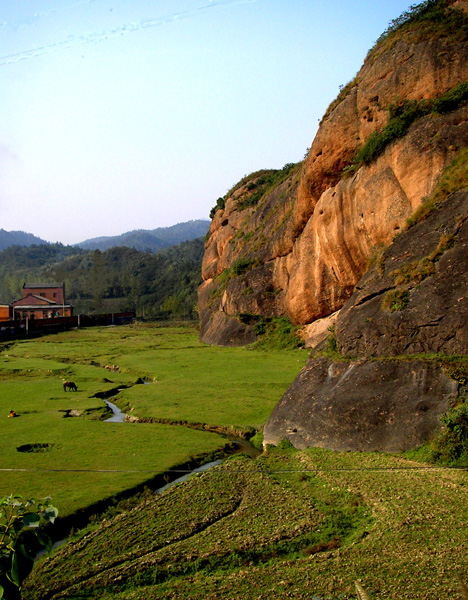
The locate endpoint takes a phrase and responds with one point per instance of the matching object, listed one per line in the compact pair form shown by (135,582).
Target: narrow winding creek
(118,416)
(171,477)
(242,444)
(200,469)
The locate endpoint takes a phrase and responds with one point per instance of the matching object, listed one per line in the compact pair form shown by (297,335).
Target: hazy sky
(136,114)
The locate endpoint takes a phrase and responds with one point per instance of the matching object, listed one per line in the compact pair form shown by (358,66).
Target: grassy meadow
(79,460)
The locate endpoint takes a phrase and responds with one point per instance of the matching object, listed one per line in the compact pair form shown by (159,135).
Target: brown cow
(70,385)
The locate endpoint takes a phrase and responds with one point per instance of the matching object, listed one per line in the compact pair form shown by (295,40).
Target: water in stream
(185,477)
(244,445)
(118,416)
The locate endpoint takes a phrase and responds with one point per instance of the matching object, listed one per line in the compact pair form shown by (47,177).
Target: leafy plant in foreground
(16,558)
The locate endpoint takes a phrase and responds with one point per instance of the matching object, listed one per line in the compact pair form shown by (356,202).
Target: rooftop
(43,285)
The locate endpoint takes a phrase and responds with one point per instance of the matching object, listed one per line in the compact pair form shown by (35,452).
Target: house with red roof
(42,301)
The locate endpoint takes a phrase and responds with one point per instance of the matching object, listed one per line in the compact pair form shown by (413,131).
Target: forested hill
(161,284)
(150,239)
(20,238)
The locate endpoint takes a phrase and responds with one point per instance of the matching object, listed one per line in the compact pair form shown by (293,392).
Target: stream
(185,477)
(243,445)
(118,416)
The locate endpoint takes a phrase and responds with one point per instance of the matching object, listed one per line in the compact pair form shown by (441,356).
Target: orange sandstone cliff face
(300,250)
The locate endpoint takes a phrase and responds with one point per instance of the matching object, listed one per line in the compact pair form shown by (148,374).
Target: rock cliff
(400,345)
(298,242)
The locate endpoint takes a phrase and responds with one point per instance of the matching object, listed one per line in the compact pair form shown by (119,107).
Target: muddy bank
(244,433)
(113,391)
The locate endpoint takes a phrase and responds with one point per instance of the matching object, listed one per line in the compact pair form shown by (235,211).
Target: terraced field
(289,524)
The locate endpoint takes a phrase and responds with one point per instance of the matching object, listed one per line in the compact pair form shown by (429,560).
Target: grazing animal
(70,385)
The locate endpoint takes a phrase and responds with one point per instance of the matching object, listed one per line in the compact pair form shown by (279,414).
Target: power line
(238,471)
(102,35)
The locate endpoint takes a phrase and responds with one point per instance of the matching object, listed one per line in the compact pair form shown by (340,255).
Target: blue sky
(136,114)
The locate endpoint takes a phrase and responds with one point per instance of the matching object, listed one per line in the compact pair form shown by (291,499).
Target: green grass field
(188,381)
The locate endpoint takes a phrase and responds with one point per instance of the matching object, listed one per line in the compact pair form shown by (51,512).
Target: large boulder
(362,405)
(426,267)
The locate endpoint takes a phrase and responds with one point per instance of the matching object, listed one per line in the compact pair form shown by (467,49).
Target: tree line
(158,285)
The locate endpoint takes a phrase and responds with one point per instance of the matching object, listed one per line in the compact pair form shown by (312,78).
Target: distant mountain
(150,239)
(18,238)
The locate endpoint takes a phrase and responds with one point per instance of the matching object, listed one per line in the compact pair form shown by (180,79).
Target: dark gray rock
(435,318)
(221,330)
(362,405)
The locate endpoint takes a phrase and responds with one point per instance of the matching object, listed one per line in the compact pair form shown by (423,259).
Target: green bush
(451,100)
(395,300)
(242,265)
(401,116)
(220,205)
(415,12)
(432,17)
(332,345)
(276,333)
(414,272)
(265,184)
(285,444)
(257,440)
(260,328)
(458,371)
(450,447)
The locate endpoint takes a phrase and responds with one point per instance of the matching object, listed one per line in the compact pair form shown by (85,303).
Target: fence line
(24,327)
